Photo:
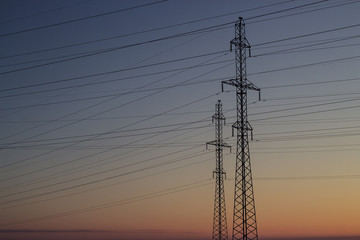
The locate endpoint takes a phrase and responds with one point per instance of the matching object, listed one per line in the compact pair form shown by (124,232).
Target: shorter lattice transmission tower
(219,221)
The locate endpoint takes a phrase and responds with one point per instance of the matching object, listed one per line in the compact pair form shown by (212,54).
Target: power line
(113,132)
(155,73)
(312,136)
(116,48)
(107,146)
(313,96)
(145,31)
(80,19)
(290,50)
(306,113)
(314,120)
(117,79)
(307,11)
(46,59)
(118,106)
(106,81)
(73,186)
(123,156)
(159,88)
(96,136)
(115,71)
(308,151)
(285,10)
(313,83)
(207,111)
(67,173)
(80,55)
(322,41)
(136,44)
(117,203)
(306,65)
(196,112)
(102,179)
(108,118)
(311,130)
(102,163)
(151,41)
(108,185)
(306,35)
(86,156)
(171,191)
(298,103)
(308,106)
(103,96)
(311,146)
(297,178)
(134,123)
(307,50)
(44,12)
(138,62)
(16,146)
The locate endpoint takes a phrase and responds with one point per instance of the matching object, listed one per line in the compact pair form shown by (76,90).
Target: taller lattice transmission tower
(220,231)
(244,219)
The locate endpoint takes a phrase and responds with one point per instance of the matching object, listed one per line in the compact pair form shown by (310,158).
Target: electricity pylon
(219,221)
(244,218)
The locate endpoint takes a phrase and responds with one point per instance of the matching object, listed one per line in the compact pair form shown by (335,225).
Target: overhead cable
(79,19)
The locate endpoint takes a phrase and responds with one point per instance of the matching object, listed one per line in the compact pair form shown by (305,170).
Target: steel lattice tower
(219,221)
(244,218)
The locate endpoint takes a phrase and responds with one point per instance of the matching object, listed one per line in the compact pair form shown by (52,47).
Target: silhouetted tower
(244,219)
(219,221)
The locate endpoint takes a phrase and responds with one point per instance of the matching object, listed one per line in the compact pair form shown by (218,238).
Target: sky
(105,111)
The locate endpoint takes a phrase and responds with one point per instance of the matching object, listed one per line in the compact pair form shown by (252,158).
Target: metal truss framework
(220,231)
(244,218)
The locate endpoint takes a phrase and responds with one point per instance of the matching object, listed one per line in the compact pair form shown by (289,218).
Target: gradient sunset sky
(106,105)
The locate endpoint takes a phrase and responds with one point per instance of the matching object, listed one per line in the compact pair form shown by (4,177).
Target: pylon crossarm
(251,86)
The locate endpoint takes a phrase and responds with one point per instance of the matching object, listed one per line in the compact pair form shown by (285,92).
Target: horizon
(134,235)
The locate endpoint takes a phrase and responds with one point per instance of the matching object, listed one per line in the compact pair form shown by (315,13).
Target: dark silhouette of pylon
(244,218)
(220,231)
